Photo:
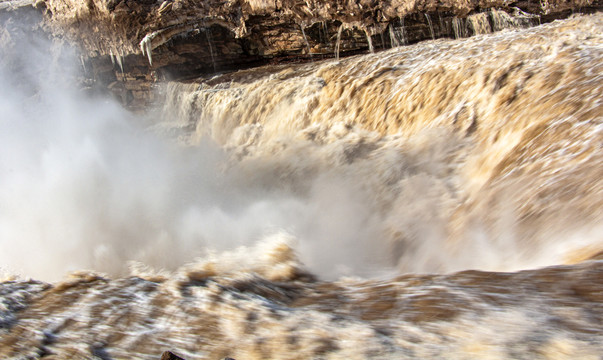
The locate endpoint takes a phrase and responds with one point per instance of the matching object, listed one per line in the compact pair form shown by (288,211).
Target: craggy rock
(125,24)
(168,355)
(128,45)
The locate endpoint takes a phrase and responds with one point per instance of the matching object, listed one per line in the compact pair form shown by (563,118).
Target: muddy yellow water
(441,200)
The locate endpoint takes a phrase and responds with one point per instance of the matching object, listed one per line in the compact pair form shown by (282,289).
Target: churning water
(315,211)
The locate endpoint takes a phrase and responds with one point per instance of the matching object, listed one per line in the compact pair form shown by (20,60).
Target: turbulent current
(439,200)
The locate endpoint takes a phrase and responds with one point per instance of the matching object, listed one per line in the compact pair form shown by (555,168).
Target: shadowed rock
(168,355)
(128,45)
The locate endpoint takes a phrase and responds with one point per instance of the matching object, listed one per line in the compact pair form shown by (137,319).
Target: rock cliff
(128,44)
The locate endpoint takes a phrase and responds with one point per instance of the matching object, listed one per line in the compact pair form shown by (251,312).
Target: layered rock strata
(127,45)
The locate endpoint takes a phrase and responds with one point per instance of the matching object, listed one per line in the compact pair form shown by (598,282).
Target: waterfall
(393,37)
(369,40)
(306,41)
(431,32)
(436,201)
(403,32)
(338,43)
(458,27)
(479,23)
(211,49)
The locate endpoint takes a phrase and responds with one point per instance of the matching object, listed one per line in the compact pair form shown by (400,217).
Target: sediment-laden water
(439,200)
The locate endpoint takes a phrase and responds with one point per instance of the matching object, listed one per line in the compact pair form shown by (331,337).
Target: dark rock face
(168,355)
(127,45)
(270,27)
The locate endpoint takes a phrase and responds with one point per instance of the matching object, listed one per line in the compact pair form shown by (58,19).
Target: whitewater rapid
(439,200)
(452,154)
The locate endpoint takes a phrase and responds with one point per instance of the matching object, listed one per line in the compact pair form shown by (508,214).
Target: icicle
(120,61)
(160,37)
(430,26)
(148,47)
(112,56)
(145,46)
(306,40)
(211,48)
(403,32)
(393,38)
(83,63)
(370,41)
(338,41)
(118,58)
(323,32)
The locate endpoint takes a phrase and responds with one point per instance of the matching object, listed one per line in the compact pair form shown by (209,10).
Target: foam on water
(291,208)
(451,147)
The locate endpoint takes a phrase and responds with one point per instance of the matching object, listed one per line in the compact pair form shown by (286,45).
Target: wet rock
(182,39)
(168,355)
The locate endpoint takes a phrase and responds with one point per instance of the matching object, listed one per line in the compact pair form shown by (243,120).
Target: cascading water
(458,28)
(316,210)
(306,41)
(430,24)
(393,37)
(338,41)
(479,23)
(211,47)
(369,40)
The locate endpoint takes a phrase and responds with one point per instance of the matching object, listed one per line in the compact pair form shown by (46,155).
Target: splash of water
(481,203)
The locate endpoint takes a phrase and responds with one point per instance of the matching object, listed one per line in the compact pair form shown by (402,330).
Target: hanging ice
(83,63)
(338,41)
(160,37)
(146,46)
(120,61)
(306,40)
(393,38)
(211,49)
(112,56)
(369,40)
(431,32)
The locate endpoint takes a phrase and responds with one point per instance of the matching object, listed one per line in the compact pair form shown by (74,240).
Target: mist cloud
(84,184)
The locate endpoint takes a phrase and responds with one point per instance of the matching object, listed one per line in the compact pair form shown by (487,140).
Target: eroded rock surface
(128,45)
